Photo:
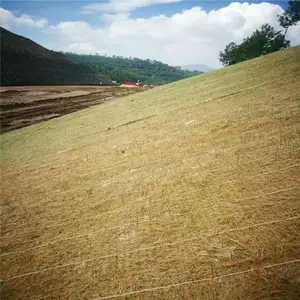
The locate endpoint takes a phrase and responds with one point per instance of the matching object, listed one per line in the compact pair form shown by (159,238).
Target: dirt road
(24,106)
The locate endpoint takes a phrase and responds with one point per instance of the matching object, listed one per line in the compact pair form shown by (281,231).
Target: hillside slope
(132,69)
(23,62)
(187,191)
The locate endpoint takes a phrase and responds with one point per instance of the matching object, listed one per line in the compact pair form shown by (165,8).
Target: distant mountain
(199,68)
(24,62)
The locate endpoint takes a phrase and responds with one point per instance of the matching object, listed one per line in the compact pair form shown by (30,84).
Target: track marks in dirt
(17,115)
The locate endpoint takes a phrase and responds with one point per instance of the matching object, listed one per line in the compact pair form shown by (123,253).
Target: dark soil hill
(24,62)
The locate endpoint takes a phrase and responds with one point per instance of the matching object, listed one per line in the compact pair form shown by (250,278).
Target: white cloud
(84,48)
(110,18)
(75,31)
(120,6)
(294,35)
(193,36)
(8,19)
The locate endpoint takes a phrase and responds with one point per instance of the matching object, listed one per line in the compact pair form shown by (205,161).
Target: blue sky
(178,32)
(56,11)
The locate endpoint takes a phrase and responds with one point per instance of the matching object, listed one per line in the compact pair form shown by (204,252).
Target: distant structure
(139,84)
(133,83)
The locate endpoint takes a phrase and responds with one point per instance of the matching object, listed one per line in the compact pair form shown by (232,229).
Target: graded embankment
(187,191)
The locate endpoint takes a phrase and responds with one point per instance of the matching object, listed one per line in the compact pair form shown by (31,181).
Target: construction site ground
(24,106)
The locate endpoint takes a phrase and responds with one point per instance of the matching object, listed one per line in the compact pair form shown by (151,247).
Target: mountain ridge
(197,67)
(24,62)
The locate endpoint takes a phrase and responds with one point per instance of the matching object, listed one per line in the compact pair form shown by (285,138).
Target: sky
(177,32)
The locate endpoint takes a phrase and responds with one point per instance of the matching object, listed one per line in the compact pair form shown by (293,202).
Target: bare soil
(24,106)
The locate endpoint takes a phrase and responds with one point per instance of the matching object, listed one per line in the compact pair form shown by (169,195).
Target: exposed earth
(23,106)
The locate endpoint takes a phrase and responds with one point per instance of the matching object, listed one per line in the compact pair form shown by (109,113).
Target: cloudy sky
(178,32)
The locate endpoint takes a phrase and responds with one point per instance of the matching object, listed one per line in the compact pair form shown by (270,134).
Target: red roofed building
(133,83)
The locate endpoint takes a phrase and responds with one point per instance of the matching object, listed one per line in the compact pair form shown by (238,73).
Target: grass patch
(192,194)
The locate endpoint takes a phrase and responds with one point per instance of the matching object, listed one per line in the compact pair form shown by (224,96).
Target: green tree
(131,69)
(291,15)
(263,41)
(231,54)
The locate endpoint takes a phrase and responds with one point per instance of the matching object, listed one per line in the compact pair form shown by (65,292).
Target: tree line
(122,69)
(264,40)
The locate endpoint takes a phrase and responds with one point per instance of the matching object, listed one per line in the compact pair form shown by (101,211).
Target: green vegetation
(132,69)
(291,15)
(263,41)
(23,62)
